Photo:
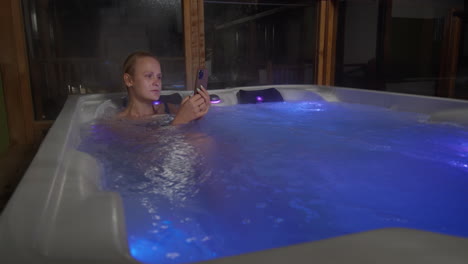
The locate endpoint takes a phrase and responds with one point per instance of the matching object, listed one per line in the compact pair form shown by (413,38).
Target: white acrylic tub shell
(59,214)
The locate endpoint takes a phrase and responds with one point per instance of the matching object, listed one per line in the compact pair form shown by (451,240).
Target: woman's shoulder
(108,109)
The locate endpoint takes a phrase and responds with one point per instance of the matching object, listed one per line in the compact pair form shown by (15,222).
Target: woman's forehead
(147,63)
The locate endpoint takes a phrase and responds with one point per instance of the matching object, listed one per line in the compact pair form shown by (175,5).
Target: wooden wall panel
(194,34)
(14,68)
(17,95)
(326,41)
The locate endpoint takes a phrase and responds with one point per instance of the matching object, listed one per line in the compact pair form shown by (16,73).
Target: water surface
(253,177)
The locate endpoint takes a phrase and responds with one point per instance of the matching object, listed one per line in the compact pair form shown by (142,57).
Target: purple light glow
(156,103)
(259,99)
(216,101)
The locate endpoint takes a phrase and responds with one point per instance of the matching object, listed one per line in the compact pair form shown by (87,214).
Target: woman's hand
(206,96)
(193,107)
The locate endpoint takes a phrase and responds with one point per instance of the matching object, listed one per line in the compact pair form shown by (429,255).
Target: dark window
(78,46)
(402,46)
(260,42)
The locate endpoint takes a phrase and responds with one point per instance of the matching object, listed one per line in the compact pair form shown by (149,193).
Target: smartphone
(202,79)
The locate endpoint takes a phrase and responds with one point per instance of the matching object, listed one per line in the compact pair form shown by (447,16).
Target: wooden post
(326,41)
(15,73)
(194,35)
(449,55)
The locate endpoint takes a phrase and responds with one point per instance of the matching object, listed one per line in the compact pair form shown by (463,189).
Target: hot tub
(59,213)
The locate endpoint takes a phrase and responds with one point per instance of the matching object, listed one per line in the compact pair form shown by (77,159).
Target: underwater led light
(259,99)
(215,99)
(156,102)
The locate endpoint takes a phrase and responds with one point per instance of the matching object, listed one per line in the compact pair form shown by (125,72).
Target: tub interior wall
(439,109)
(62,188)
(81,203)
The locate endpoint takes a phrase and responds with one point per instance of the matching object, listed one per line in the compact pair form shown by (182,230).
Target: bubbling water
(252,177)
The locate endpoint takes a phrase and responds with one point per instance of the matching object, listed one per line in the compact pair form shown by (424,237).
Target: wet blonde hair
(130,61)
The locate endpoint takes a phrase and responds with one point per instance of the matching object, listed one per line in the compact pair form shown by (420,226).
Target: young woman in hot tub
(137,145)
(143,79)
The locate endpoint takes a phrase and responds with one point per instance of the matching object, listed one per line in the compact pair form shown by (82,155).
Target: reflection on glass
(260,42)
(401,46)
(78,46)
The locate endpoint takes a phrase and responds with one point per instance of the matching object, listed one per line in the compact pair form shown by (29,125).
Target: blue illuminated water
(253,177)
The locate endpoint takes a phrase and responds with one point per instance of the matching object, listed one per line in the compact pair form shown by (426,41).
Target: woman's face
(145,83)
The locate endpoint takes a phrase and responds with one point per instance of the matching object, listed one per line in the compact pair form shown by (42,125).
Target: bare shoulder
(122,115)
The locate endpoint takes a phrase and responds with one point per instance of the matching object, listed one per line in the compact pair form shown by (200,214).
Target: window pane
(82,43)
(260,42)
(461,82)
(403,52)
(356,43)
